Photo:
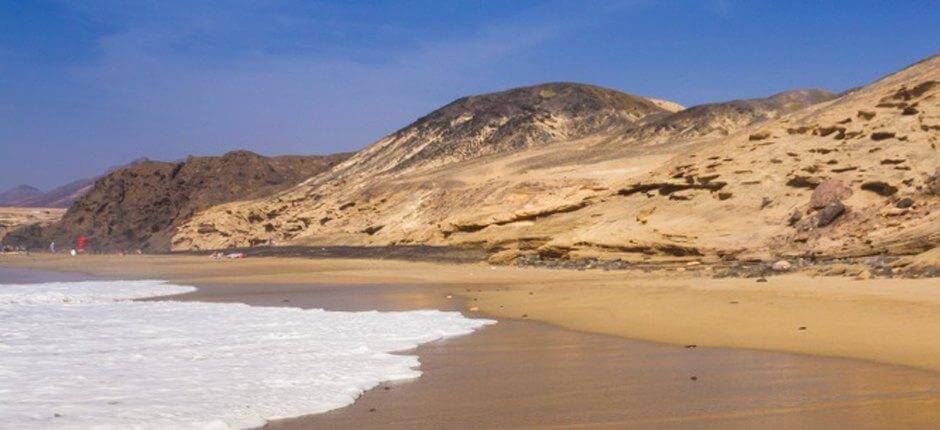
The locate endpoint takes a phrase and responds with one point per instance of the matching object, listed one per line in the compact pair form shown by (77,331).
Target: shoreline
(523,373)
(890,321)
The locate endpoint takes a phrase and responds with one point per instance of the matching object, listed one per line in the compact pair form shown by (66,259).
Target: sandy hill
(497,170)
(139,206)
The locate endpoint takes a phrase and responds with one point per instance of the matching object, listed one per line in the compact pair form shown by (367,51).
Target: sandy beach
(532,370)
(892,321)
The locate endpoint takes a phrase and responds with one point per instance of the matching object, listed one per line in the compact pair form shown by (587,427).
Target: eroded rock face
(828,192)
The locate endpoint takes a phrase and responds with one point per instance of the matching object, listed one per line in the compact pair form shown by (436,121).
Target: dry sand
(524,374)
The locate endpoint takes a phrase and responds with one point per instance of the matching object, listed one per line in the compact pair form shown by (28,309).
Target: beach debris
(525,315)
(802,328)
(474,309)
(761,279)
(691,346)
(694,378)
(904,203)
(371,409)
(450,296)
(781,266)
(733,302)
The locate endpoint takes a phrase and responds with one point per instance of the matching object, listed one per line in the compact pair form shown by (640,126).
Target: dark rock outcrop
(139,207)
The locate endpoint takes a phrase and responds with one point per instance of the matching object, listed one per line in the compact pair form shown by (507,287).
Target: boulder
(828,192)
(828,214)
(781,266)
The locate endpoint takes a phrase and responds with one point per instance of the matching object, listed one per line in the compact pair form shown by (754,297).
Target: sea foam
(83,355)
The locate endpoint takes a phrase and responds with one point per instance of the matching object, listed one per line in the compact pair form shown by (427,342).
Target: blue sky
(91,84)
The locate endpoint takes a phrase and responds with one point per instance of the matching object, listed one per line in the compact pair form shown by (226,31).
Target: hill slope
(476,169)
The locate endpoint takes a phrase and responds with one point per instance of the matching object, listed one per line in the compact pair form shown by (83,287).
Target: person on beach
(52,247)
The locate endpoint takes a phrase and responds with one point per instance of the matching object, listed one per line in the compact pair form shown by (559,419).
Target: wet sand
(525,374)
(521,373)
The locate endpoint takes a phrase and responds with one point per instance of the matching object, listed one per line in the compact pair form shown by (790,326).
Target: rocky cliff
(140,206)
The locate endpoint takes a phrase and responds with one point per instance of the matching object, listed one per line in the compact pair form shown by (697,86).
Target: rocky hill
(480,169)
(722,119)
(496,123)
(140,206)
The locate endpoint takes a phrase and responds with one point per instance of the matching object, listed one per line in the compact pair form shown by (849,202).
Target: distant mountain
(60,197)
(15,196)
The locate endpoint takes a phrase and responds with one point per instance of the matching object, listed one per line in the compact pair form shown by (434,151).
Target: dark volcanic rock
(829,213)
(880,188)
(139,207)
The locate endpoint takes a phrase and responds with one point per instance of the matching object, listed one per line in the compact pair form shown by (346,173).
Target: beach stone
(905,203)
(782,266)
(829,213)
(794,218)
(827,192)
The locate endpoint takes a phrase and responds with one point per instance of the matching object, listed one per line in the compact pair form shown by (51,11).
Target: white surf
(83,355)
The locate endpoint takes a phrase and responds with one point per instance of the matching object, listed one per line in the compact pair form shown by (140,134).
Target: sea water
(84,355)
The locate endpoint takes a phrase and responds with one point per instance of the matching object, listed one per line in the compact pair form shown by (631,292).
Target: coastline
(890,321)
(522,373)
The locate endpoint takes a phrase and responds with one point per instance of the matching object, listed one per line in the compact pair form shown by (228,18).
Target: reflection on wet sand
(520,374)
